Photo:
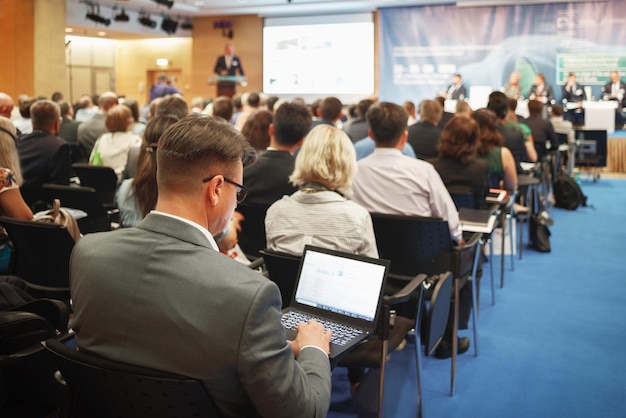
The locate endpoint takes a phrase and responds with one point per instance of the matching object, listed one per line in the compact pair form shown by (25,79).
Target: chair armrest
(403,294)
(469,243)
(259,262)
(56,312)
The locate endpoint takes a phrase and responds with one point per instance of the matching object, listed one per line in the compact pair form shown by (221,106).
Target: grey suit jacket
(159,296)
(90,130)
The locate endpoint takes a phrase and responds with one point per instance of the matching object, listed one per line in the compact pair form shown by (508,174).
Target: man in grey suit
(90,130)
(162,296)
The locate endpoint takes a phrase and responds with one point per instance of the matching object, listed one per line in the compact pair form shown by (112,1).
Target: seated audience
(502,167)
(424,135)
(136,197)
(256,129)
(223,108)
(6,106)
(513,121)
(330,112)
(457,163)
(198,313)
(112,147)
(445,116)
(44,157)
(513,139)
(409,106)
(356,128)
(11,202)
(24,124)
(137,127)
(318,213)
(68,129)
(170,105)
(541,129)
(268,179)
(90,130)
(84,108)
(251,102)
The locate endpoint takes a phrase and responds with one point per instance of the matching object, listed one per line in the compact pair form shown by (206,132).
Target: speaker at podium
(227,84)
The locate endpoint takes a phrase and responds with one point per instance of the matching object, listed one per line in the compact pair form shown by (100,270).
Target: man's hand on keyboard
(311,333)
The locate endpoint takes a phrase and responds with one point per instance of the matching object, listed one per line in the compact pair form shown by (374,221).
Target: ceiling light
(94,14)
(169,25)
(168,3)
(122,17)
(187,25)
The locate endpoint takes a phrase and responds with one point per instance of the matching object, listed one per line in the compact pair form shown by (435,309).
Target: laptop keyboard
(342,334)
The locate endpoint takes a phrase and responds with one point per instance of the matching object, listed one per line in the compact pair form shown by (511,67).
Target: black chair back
(252,235)
(103,388)
(282,269)
(102,179)
(463,197)
(41,256)
(437,314)
(82,198)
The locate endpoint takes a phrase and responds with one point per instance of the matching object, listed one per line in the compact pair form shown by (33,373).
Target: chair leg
(418,367)
(474,314)
(491,264)
(502,256)
(511,240)
(381,382)
(474,270)
(455,339)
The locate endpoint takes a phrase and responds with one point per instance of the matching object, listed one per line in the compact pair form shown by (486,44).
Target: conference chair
(422,245)
(252,235)
(101,178)
(26,370)
(84,199)
(41,256)
(102,388)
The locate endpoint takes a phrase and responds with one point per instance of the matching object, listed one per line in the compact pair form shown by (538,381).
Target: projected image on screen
(335,58)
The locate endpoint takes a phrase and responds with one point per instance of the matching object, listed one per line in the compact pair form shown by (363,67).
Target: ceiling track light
(94,15)
(169,25)
(145,20)
(187,25)
(122,17)
(167,3)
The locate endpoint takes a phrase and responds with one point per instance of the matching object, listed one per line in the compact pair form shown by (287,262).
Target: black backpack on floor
(567,193)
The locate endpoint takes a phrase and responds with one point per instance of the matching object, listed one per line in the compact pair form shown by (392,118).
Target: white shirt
(389,182)
(562,126)
(113,149)
(204,231)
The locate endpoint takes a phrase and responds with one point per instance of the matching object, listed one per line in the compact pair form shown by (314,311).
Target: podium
(600,115)
(227,84)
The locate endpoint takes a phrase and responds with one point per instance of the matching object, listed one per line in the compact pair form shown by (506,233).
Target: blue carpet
(550,347)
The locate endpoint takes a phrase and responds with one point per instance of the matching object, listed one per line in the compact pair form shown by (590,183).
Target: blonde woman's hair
(8,152)
(327,154)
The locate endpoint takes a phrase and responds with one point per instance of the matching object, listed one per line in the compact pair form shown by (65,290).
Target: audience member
(57,96)
(137,127)
(256,129)
(85,109)
(463,109)
(512,121)
(6,105)
(513,89)
(198,104)
(573,97)
(251,102)
(541,129)
(90,130)
(268,179)
(356,128)
(11,202)
(44,157)
(237,107)
(245,363)
(456,90)
(137,196)
(318,213)
(513,139)
(330,112)
(502,166)
(112,147)
(389,182)
(170,105)
(163,88)
(424,135)
(24,124)
(68,129)
(315,108)
(560,125)
(409,106)
(270,102)
(445,116)
(223,108)
(457,163)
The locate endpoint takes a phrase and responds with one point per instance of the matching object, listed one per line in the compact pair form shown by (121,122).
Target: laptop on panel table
(342,291)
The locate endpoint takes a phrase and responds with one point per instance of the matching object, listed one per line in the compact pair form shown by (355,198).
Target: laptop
(343,291)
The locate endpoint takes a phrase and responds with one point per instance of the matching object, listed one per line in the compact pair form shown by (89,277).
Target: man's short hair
(199,146)
(363,106)
(512,103)
(291,123)
(556,110)
(431,111)
(498,104)
(223,108)
(65,108)
(328,154)
(387,121)
(172,105)
(25,107)
(535,107)
(44,113)
(330,108)
(254,99)
(107,100)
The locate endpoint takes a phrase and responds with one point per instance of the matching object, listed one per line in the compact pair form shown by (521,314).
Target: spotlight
(168,3)
(122,17)
(94,14)
(187,25)
(145,20)
(169,25)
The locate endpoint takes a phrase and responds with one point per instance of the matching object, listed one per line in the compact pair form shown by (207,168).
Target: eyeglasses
(242,191)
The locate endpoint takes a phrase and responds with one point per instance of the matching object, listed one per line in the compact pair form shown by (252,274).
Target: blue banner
(422,47)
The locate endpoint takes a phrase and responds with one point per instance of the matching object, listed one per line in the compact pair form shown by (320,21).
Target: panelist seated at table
(616,90)
(573,95)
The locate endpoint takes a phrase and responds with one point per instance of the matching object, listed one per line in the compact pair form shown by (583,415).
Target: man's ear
(213,190)
(270,130)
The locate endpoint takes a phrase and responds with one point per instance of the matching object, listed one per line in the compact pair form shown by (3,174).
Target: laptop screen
(341,284)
